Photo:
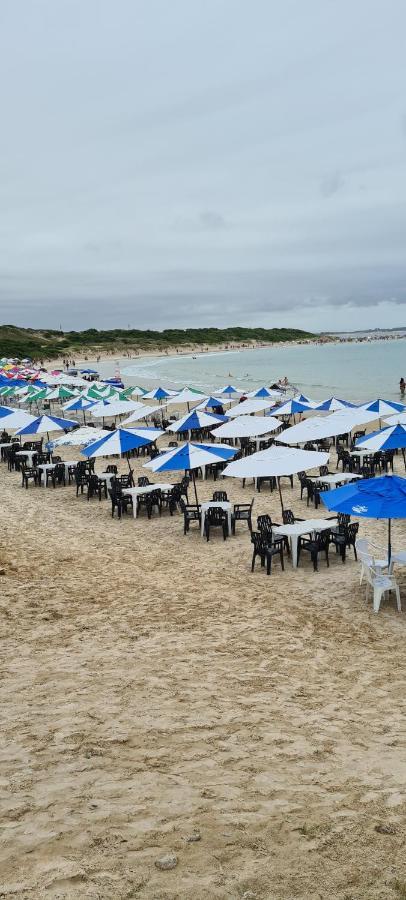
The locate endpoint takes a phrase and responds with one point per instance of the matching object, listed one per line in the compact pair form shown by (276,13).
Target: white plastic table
(29,454)
(293,532)
(44,468)
(106,476)
(225,504)
(335,479)
(147,489)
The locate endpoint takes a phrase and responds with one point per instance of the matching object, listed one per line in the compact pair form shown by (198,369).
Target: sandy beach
(158,698)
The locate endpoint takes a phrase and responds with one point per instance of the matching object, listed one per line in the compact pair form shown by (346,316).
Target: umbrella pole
(389,542)
(280,493)
(194,485)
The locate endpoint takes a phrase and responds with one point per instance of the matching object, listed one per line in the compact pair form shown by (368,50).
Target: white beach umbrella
(292,408)
(253,405)
(384,407)
(265,393)
(319,427)
(194,420)
(274,463)
(246,426)
(142,412)
(186,396)
(115,408)
(397,419)
(80,437)
(15,419)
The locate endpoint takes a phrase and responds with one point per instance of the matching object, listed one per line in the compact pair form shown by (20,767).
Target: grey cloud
(332,183)
(202,163)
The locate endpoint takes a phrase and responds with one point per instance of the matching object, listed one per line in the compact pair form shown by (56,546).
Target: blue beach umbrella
(371,498)
(195,420)
(264,392)
(211,403)
(121,441)
(333,404)
(391,438)
(45,424)
(291,408)
(190,457)
(228,389)
(159,393)
(383,407)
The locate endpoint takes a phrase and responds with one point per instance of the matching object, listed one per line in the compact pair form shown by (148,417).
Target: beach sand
(158,698)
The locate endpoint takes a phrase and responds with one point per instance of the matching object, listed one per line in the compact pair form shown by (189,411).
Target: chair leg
(282,559)
(377,599)
(398,603)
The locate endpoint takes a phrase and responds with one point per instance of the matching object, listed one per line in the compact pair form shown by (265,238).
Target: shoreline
(189,350)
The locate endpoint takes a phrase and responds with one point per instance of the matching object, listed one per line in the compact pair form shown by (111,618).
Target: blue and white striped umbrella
(159,393)
(333,404)
(45,424)
(79,403)
(121,441)
(291,408)
(391,438)
(264,392)
(384,407)
(195,420)
(228,389)
(190,457)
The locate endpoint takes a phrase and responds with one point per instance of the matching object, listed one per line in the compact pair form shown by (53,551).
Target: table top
(223,504)
(146,489)
(47,466)
(306,526)
(338,478)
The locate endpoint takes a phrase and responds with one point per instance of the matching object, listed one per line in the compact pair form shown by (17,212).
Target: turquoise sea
(353,371)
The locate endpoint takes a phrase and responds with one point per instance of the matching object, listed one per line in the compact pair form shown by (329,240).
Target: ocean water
(353,371)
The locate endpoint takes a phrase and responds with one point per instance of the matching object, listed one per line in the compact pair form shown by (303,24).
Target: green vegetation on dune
(49,343)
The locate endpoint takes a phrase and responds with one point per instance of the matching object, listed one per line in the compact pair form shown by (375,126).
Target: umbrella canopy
(247,407)
(121,441)
(61,393)
(80,437)
(45,424)
(78,403)
(391,438)
(275,462)
(212,403)
(247,426)
(397,419)
(159,393)
(107,409)
(190,456)
(384,407)
(186,396)
(228,389)
(195,420)
(292,408)
(142,412)
(372,498)
(265,392)
(319,427)
(15,419)
(333,404)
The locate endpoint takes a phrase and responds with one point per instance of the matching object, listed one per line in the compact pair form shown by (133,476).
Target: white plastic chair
(380,585)
(366,556)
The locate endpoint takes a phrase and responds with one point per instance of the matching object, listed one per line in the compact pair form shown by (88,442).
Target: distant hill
(48,343)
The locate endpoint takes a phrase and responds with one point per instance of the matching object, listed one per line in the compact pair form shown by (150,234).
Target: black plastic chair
(81,479)
(191,513)
(96,487)
(266,547)
(344,537)
(29,473)
(242,512)
(215,517)
(150,501)
(143,481)
(56,475)
(119,501)
(315,546)
(220,497)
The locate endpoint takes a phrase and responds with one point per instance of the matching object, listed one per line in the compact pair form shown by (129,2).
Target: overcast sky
(203,162)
